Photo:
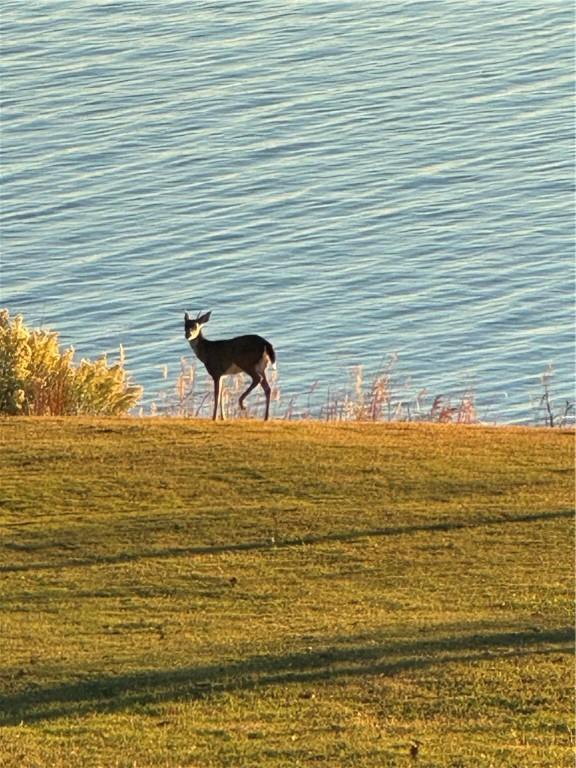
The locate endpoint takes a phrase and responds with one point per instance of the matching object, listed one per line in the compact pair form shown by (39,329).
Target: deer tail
(270,351)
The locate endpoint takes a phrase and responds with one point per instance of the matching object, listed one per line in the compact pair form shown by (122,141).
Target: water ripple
(350,179)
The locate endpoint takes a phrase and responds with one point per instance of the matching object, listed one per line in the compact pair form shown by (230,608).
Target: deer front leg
(222,416)
(216,398)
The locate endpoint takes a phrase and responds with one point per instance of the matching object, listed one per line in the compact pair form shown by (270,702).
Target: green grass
(182,593)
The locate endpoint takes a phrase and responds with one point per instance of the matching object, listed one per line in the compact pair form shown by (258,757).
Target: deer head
(192,328)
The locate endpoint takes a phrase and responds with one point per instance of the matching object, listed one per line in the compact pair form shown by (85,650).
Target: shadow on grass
(252,546)
(344,659)
(347,658)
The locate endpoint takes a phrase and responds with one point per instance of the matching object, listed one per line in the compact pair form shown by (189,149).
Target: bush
(37,379)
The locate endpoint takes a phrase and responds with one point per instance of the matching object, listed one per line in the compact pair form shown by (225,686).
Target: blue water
(351,179)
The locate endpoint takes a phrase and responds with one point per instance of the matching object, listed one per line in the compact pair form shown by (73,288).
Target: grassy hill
(182,593)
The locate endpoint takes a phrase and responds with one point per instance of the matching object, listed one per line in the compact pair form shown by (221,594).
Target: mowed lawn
(182,593)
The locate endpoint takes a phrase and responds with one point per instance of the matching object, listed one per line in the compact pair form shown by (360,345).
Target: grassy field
(182,593)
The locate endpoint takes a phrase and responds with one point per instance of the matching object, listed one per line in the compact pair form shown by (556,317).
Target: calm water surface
(350,179)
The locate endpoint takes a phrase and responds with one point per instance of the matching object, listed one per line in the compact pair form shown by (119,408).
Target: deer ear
(204,318)
(186,316)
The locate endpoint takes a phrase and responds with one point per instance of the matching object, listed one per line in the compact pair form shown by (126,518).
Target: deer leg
(255,382)
(217,400)
(222,404)
(266,388)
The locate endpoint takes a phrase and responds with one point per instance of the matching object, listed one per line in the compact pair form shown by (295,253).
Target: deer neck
(198,344)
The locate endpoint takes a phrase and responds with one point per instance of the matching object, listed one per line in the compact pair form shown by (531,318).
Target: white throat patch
(194,333)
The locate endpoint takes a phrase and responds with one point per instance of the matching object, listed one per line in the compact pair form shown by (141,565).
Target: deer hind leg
(256,378)
(266,388)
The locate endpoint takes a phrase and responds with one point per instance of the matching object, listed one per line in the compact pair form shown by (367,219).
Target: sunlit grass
(177,592)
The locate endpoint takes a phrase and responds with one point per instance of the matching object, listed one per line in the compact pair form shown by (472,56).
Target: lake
(351,179)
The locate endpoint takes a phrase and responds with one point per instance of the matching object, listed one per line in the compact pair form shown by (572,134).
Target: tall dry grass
(37,379)
(384,397)
(546,408)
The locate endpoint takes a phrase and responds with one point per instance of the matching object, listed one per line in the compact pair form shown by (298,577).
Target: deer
(249,354)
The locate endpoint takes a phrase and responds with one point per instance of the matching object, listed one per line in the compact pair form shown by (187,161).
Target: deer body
(249,354)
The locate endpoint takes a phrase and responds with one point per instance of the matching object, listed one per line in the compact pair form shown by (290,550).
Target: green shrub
(36,378)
